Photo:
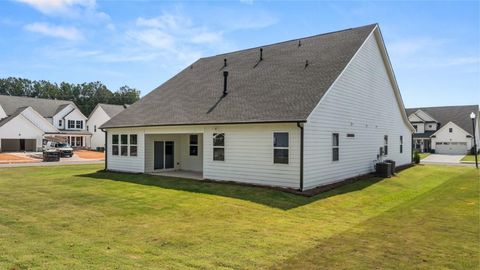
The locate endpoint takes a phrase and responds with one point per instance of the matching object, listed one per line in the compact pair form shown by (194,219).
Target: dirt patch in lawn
(90,154)
(6,158)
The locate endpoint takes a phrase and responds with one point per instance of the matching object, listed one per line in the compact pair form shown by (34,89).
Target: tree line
(85,95)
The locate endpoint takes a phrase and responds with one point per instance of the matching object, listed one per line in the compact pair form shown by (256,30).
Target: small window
(193,145)
(124,145)
(71,124)
(385,147)
(280,147)
(335,147)
(401,144)
(429,126)
(60,123)
(450,130)
(219,146)
(133,145)
(350,135)
(79,125)
(115,145)
(88,129)
(95,128)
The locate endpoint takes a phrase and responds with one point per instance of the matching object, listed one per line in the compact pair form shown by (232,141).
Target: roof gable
(414,118)
(283,87)
(110,109)
(425,116)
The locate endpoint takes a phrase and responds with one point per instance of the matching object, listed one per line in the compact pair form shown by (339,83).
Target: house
(101,114)
(297,114)
(25,123)
(443,130)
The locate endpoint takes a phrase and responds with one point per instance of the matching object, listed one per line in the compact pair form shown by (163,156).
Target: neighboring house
(101,114)
(25,123)
(297,114)
(443,130)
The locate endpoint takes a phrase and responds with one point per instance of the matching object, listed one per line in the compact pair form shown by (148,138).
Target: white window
(60,123)
(124,145)
(219,146)
(79,125)
(94,128)
(335,147)
(114,145)
(133,145)
(280,147)
(450,130)
(71,124)
(193,145)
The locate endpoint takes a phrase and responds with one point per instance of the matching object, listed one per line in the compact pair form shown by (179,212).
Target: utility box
(383,169)
(392,162)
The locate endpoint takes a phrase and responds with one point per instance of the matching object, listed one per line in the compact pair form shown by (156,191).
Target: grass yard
(73,217)
(469,158)
(424,155)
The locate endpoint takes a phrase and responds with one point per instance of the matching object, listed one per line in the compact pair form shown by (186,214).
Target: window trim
(336,146)
(217,146)
(120,144)
(281,147)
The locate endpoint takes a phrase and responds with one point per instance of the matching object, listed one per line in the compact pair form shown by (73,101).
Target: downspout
(300,125)
(106,149)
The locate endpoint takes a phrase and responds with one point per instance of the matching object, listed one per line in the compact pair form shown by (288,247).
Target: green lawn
(73,217)
(424,155)
(469,158)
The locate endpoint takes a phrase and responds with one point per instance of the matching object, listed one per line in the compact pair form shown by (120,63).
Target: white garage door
(453,148)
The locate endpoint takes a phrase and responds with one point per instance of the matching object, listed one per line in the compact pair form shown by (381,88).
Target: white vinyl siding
(126,163)
(249,155)
(361,102)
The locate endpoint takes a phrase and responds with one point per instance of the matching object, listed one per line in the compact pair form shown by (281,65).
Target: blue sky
(434,46)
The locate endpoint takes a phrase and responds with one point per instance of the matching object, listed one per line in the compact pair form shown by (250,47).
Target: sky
(434,46)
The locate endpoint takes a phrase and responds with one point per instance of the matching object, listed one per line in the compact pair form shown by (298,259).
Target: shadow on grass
(261,195)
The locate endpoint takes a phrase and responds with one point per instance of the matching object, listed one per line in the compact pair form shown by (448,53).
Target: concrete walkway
(442,159)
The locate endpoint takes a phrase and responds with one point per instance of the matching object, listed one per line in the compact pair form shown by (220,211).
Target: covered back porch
(174,155)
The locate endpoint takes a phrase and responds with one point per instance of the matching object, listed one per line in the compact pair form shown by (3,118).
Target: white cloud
(69,33)
(73,9)
(50,7)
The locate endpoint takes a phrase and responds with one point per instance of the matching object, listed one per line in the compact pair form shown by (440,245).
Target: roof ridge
(290,40)
(448,106)
(36,98)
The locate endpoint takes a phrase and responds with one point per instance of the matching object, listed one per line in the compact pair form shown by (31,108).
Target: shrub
(416,157)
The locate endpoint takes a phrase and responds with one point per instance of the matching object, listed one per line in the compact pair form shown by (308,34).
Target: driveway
(19,159)
(443,159)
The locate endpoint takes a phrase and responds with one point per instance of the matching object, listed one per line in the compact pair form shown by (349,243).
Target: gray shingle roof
(45,107)
(12,116)
(460,115)
(110,109)
(280,88)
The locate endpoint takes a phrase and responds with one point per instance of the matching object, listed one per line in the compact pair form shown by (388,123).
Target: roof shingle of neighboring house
(110,109)
(460,115)
(283,87)
(45,107)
